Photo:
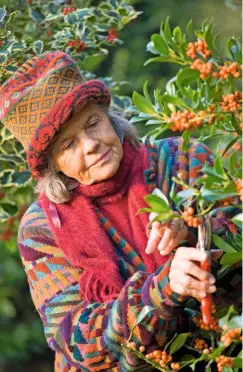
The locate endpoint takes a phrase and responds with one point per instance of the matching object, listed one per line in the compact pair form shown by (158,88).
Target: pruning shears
(204,241)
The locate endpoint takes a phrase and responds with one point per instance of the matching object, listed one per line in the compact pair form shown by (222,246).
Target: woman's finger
(183,291)
(154,237)
(169,234)
(175,227)
(190,254)
(183,261)
(174,242)
(191,283)
(193,269)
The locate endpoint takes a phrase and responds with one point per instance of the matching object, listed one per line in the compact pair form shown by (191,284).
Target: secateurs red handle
(205,240)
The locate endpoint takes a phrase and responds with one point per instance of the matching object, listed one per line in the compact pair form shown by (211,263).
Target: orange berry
(157,353)
(133,345)
(206,351)
(180,175)
(190,211)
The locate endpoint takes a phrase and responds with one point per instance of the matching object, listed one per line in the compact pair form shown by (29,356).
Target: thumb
(215,253)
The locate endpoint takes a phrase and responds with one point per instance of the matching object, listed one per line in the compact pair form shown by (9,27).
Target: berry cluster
(200,344)
(112,35)
(222,361)
(182,120)
(199,46)
(158,356)
(1,43)
(232,69)
(239,188)
(231,102)
(68,10)
(189,218)
(77,44)
(205,68)
(213,325)
(230,336)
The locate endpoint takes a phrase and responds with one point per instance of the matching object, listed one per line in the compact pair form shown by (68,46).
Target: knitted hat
(41,95)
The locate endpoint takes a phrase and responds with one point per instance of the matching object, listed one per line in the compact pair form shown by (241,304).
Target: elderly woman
(82,245)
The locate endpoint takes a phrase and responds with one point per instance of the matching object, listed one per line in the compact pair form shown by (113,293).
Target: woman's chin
(106,173)
(102,174)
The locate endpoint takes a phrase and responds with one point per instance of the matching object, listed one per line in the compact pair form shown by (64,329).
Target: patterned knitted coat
(88,337)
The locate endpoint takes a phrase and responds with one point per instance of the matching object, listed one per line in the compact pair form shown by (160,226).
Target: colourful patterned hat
(41,95)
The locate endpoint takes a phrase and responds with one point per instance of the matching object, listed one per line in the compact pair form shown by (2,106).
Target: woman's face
(87,148)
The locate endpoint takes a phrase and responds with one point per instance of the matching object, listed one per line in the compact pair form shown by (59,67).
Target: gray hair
(57,186)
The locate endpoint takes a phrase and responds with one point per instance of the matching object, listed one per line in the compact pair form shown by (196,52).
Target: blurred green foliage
(22,343)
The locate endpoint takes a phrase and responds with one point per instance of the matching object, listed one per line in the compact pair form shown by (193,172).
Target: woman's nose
(89,145)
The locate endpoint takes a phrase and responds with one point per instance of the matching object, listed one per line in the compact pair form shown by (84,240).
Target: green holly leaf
(209,38)
(186,137)
(3,13)
(3,215)
(71,18)
(187,76)
(161,195)
(38,46)
(235,50)
(231,258)
(161,59)
(215,195)
(238,220)
(218,166)
(143,104)
(172,99)
(144,210)
(212,172)
(167,29)
(189,29)
(36,15)
(157,204)
(220,243)
(178,342)
(146,94)
(177,33)
(235,322)
(160,44)
(9,207)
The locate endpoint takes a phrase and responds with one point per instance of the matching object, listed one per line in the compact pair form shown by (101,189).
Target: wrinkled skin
(83,140)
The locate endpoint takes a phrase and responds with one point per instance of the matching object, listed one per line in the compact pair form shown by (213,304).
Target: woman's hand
(166,237)
(187,278)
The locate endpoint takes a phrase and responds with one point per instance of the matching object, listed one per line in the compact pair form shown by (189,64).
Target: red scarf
(84,241)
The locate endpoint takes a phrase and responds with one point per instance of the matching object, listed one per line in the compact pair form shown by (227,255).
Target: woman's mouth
(102,157)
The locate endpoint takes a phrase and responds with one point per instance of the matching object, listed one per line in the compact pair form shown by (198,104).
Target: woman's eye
(69,145)
(94,123)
